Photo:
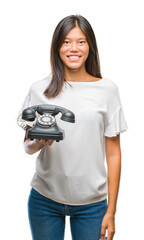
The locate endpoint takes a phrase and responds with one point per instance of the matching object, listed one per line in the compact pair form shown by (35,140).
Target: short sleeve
(116,122)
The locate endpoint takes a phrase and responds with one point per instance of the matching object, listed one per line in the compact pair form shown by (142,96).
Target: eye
(66,42)
(81,42)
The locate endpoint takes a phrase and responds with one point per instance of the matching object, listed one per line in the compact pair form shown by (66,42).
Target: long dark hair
(92,63)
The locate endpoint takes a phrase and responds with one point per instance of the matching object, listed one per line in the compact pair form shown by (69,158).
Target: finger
(51,142)
(103,229)
(48,142)
(45,141)
(102,237)
(42,141)
(110,234)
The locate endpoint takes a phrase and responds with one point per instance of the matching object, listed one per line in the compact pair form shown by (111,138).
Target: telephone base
(50,139)
(46,137)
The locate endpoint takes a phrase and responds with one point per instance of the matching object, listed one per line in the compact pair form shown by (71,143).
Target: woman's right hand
(33,146)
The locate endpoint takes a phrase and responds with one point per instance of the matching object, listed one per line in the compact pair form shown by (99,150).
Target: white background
(26,29)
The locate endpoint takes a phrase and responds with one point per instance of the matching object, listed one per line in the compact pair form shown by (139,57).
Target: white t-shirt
(72,171)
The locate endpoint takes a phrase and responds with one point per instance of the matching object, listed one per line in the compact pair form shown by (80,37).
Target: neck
(75,75)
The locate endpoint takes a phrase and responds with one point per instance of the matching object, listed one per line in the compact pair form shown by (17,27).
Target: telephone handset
(46,126)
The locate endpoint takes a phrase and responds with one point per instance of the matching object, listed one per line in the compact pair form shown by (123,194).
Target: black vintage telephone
(46,126)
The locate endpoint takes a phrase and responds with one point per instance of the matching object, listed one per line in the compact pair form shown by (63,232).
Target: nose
(74,47)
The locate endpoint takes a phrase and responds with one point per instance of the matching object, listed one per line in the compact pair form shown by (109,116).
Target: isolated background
(26,29)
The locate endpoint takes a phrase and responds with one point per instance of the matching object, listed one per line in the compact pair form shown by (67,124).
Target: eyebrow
(77,39)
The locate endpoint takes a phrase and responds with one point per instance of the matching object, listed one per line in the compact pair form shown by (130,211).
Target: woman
(70,176)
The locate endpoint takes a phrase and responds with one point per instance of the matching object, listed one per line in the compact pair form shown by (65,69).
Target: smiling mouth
(74,57)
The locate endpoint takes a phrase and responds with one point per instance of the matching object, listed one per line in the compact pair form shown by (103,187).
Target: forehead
(75,32)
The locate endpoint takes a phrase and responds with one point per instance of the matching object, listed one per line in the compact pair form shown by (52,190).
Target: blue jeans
(47,218)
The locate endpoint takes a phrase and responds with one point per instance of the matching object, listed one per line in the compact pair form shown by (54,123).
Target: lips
(73,57)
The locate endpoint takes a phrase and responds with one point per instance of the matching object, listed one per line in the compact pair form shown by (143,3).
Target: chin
(74,66)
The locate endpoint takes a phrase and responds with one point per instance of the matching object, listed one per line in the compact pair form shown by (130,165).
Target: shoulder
(111,92)
(111,87)
(110,84)
(41,84)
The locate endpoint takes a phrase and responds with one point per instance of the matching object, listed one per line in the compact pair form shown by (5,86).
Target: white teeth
(74,57)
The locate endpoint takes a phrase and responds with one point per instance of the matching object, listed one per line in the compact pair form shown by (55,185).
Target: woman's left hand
(109,224)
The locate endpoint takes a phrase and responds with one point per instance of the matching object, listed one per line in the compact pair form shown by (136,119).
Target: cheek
(62,54)
(62,51)
(86,51)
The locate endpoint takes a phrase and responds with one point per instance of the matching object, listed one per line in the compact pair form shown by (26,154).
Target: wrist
(111,211)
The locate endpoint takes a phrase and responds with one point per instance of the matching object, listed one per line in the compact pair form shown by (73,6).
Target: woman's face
(74,50)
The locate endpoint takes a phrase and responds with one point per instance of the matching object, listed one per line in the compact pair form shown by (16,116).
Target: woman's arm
(113,157)
(33,146)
